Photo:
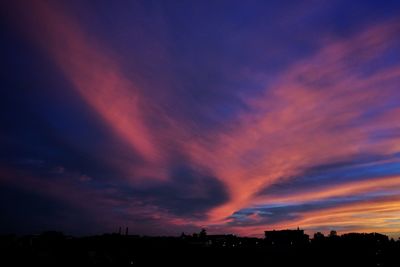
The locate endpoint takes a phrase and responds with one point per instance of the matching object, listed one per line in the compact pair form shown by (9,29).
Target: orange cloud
(388,184)
(377,215)
(371,216)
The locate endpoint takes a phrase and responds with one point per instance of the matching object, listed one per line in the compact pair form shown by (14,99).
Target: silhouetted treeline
(278,248)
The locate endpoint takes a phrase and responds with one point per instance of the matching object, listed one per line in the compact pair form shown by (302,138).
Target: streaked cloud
(237,147)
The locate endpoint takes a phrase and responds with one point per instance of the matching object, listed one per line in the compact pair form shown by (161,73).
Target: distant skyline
(172,116)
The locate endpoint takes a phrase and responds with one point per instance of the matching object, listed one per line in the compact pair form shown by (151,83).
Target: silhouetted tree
(319,236)
(333,233)
(203,233)
(291,248)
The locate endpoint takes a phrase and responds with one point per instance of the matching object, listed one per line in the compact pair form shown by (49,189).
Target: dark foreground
(55,249)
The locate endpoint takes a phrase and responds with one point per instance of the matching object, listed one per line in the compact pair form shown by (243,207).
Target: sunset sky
(170,116)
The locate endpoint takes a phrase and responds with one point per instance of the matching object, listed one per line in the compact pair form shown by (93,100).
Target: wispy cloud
(327,108)
(331,108)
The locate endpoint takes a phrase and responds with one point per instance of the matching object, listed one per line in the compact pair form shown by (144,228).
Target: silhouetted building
(365,237)
(286,238)
(279,248)
(222,240)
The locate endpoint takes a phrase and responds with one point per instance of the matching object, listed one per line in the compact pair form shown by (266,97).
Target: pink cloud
(95,74)
(311,115)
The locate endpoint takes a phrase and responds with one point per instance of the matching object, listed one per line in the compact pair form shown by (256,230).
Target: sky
(172,116)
